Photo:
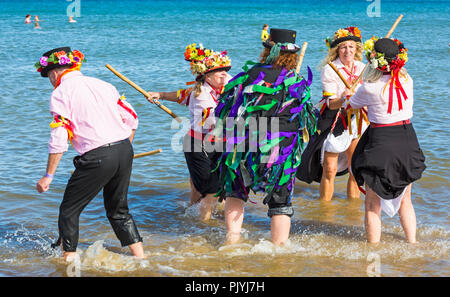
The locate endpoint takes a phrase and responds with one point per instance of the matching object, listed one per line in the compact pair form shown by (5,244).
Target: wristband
(49,175)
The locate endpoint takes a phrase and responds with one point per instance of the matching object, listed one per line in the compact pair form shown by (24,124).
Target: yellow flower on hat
(368,45)
(341,33)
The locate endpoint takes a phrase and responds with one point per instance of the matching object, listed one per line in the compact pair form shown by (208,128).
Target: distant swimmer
(265,33)
(28,19)
(71,20)
(36,25)
(36,18)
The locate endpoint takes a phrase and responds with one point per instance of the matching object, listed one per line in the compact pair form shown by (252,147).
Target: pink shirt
(91,106)
(376,97)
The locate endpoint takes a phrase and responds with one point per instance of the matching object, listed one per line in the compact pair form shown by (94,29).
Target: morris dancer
(330,151)
(254,159)
(91,115)
(210,69)
(388,158)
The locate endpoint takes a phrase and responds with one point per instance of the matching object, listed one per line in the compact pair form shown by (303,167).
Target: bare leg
(137,249)
(408,216)
(280,226)
(372,218)
(206,206)
(69,256)
(352,186)
(195,195)
(234,217)
(328,175)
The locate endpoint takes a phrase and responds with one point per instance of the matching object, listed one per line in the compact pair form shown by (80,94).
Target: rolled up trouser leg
(280,203)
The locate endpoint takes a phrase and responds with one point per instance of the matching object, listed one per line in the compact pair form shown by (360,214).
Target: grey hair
(372,75)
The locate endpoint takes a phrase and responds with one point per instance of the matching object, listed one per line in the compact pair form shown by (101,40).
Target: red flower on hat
(60,54)
(78,54)
(200,52)
(354,31)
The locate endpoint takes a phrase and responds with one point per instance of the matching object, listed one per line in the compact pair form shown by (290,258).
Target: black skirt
(388,159)
(310,168)
(201,165)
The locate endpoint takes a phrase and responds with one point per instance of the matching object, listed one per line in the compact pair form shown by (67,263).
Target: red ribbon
(395,83)
(127,108)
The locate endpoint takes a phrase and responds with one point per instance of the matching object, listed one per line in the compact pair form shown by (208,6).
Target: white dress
(333,87)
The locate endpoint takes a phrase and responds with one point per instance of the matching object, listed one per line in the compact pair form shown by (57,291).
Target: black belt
(114,143)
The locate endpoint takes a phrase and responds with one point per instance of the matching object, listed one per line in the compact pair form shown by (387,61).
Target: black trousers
(107,168)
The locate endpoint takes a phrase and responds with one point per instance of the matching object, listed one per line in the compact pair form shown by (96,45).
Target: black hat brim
(270,44)
(224,68)
(45,70)
(342,39)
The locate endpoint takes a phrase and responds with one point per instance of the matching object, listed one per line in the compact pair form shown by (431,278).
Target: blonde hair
(333,54)
(198,86)
(287,60)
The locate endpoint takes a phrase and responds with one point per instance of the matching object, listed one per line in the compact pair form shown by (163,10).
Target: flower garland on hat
(377,60)
(205,60)
(393,66)
(349,33)
(62,58)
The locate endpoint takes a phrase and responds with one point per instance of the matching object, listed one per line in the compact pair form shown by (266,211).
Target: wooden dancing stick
(300,58)
(154,152)
(387,36)
(340,75)
(394,26)
(124,78)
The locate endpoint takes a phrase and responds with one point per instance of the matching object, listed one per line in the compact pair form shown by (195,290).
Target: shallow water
(145,40)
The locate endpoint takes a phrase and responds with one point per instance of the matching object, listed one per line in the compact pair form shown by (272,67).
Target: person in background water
(28,19)
(330,151)
(100,125)
(265,33)
(210,69)
(264,159)
(71,20)
(388,158)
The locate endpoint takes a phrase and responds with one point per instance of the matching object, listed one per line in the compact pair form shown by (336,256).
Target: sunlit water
(146,41)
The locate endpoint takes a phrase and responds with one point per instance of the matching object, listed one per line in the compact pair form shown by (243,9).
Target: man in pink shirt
(100,125)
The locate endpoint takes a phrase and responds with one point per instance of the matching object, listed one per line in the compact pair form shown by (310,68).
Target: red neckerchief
(351,74)
(215,93)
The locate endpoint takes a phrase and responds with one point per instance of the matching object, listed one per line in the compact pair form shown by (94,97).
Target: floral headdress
(196,53)
(343,34)
(379,60)
(389,56)
(59,58)
(206,60)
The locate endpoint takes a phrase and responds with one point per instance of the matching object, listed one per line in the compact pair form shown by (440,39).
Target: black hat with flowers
(283,36)
(388,47)
(343,34)
(57,58)
(386,54)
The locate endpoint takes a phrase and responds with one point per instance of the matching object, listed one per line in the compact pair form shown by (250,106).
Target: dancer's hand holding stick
(156,102)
